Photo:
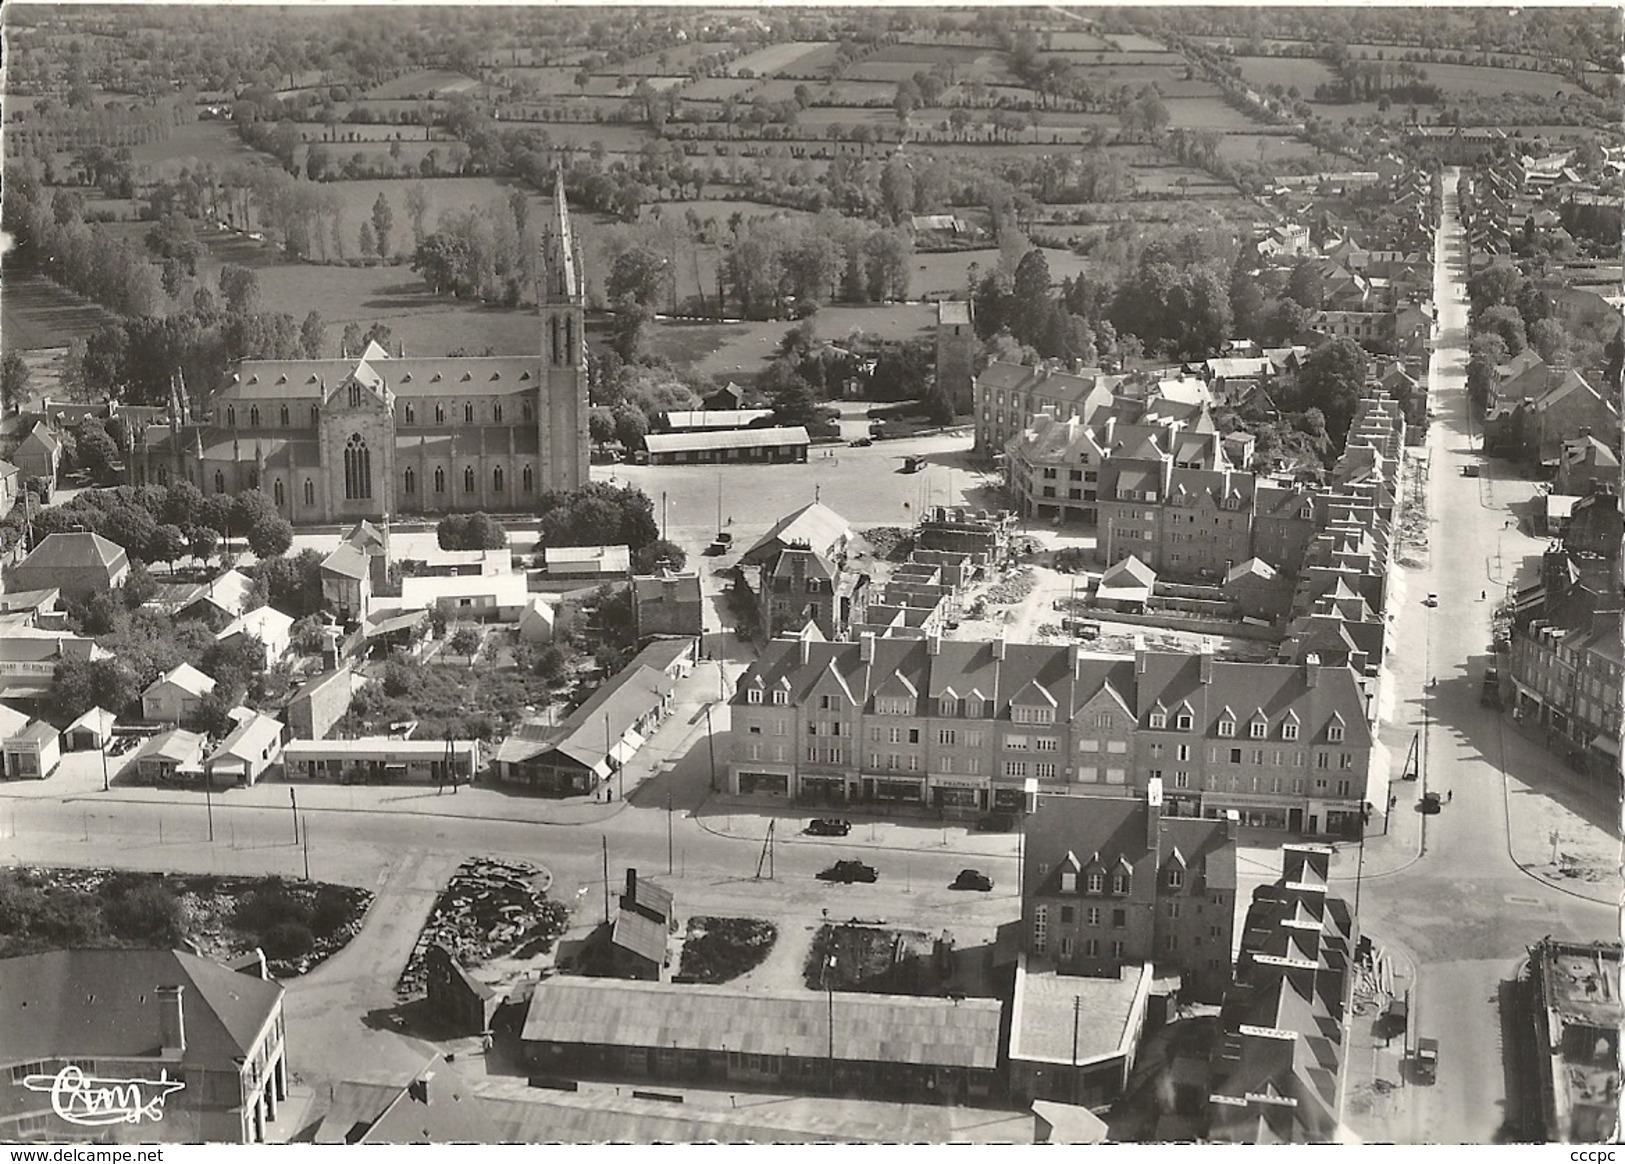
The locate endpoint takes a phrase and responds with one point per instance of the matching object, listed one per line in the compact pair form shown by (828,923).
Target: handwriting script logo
(92,1102)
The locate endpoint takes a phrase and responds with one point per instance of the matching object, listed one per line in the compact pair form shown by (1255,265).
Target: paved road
(1464,911)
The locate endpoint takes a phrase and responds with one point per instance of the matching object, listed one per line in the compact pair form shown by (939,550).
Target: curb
(798,838)
(372,811)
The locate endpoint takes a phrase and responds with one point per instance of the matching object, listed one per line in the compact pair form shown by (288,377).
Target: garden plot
(720,949)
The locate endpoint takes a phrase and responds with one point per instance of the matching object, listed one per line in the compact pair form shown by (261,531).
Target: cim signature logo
(93,1102)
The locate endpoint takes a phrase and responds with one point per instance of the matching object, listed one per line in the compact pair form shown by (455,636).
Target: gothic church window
(468,479)
(357,469)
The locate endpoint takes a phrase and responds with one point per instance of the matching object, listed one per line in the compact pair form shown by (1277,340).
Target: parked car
(972,879)
(1431,803)
(829,826)
(1427,1060)
(861,443)
(847,872)
(725,538)
(1489,693)
(716,549)
(1469,470)
(1431,600)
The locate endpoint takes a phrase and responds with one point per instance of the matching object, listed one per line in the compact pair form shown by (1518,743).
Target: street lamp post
(829,994)
(294,801)
(208,797)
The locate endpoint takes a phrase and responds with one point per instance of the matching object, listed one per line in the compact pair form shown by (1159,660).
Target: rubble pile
(490,908)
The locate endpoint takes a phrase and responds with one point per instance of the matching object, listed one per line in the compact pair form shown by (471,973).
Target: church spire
(561,256)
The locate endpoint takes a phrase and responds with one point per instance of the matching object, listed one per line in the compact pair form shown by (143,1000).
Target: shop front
(823,788)
(959,796)
(894,790)
(1007,799)
(1254,814)
(764,784)
(1181,804)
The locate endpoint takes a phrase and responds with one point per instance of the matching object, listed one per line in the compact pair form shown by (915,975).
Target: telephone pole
(605,839)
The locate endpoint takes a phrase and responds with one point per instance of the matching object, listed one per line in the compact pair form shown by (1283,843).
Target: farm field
(744,349)
(1079,42)
(550,79)
(193,144)
(784,58)
(717,88)
(1129,42)
(1207,113)
(425,83)
(1243,147)
(674,59)
(1303,72)
(35,313)
(1455,80)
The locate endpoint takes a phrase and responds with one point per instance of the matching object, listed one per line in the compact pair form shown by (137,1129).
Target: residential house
(668,604)
(1584,464)
(644,921)
(78,564)
(801,572)
(1009,396)
(270,627)
(347,582)
(537,621)
(435,1106)
(961,726)
(39,457)
(1277,1073)
(320,703)
(502,597)
(172,757)
(176,697)
(150,1015)
(218,600)
(11,486)
(247,751)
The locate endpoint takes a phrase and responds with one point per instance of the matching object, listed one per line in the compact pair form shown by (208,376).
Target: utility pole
(668,836)
(294,801)
(208,796)
(605,838)
(306,839)
(711,744)
(1077,1013)
(829,993)
(106,783)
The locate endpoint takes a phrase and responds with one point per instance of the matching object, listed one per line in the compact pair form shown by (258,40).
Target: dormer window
(781,698)
(1069,882)
(973,708)
(1227,728)
(1258,729)
(1159,721)
(1176,877)
(1119,883)
(1334,733)
(1096,883)
(1289,731)
(947,705)
(754,695)
(1183,722)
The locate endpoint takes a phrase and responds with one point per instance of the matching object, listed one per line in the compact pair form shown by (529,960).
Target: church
(373,435)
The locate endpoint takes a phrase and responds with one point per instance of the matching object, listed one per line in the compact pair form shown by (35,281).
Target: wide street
(1463,910)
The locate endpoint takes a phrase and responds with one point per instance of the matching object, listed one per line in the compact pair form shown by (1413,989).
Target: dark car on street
(829,826)
(972,879)
(1430,803)
(847,872)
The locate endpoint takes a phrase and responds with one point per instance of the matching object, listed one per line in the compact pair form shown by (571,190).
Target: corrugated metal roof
(738,438)
(869,1028)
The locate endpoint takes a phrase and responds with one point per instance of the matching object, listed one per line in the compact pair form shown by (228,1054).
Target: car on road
(847,872)
(716,549)
(725,538)
(972,879)
(861,443)
(1489,692)
(829,826)
(1469,470)
(1431,600)
(1431,803)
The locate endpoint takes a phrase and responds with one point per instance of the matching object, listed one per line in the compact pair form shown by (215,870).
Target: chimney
(933,643)
(1205,660)
(632,883)
(1153,813)
(998,647)
(806,650)
(1141,654)
(418,1089)
(1311,669)
(171,1020)
(866,647)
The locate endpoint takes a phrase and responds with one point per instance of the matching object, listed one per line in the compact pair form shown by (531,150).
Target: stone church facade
(378,436)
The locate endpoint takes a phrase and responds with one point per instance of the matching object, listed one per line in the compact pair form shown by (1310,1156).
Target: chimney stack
(1205,660)
(806,650)
(998,647)
(1153,814)
(418,1089)
(632,883)
(171,1020)
(1311,669)
(1141,654)
(866,647)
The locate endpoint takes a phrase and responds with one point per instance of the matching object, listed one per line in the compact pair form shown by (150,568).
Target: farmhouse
(372,434)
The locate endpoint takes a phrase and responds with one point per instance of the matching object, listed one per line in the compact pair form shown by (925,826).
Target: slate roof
(449,376)
(185,676)
(816,525)
(1111,831)
(642,935)
(90,1004)
(347,561)
(76,551)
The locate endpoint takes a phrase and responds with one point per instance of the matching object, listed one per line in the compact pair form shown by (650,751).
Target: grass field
(1078,42)
(1206,113)
(1129,42)
(717,88)
(675,59)
(37,314)
(425,83)
(1303,72)
(1244,147)
(781,58)
(745,349)
(192,145)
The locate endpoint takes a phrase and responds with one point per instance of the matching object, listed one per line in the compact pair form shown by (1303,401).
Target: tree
(350,343)
(79,684)
(270,537)
(167,544)
(597,514)
(138,585)
(640,275)
(383,221)
(201,541)
(312,336)
(466,641)
(600,425)
(631,425)
(473,531)
(292,585)
(417,209)
(14,377)
(1505,321)
(1332,379)
(95,451)
(1549,339)
(367,241)
(659,554)
(241,288)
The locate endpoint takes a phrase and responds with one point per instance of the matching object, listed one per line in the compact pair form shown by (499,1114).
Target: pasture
(675,59)
(1304,72)
(194,144)
(1078,42)
(783,58)
(425,83)
(1206,113)
(1130,42)
(37,314)
(722,350)
(717,88)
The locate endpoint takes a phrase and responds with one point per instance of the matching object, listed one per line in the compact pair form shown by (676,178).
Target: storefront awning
(1608,745)
(976,783)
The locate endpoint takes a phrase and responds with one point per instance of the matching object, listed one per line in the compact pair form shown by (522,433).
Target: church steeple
(560,294)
